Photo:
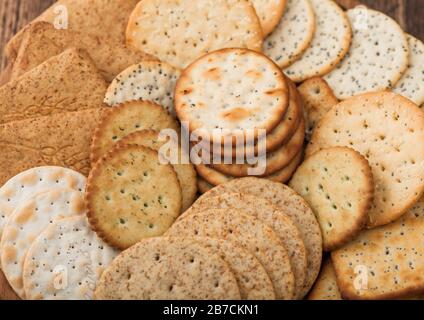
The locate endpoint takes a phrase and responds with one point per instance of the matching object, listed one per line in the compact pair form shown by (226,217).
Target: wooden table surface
(15,14)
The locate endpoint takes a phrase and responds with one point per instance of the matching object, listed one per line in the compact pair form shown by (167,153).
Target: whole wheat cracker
(294,206)
(269,13)
(203,186)
(329,46)
(325,287)
(248,232)
(130,196)
(338,185)
(65,262)
(167,28)
(388,130)
(168,268)
(149,80)
(293,35)
(27,221)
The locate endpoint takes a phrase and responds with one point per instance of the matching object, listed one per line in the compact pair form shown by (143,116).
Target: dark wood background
(14,14)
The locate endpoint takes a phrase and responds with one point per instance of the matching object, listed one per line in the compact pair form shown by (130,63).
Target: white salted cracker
(269,13)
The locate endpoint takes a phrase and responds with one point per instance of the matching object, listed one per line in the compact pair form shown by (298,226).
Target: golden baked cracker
(42,41)
(203,186)
(178,32)
(294,206)
(318,99)
(101,18)
(269,13)
(388,130)
(248,232)
(185,172)
(338,185)
(270,215)
(325,287)
(6,74)
(168,269)
(127,118)
(64,83)
(57,140)
(131,196)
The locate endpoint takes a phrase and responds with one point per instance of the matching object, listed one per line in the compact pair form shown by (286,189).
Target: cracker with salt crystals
(325,287)
(253,94)
(168,269)
(149,81)
(338,185)
(131,196)
(29,183)
(269,214)
(293,35)
(294,206)
(179,32)
(248,232)
(269,13)
(411,85)
(377,58)
(65,262)
(331,42)
(388,130)
(27,222)
(126,118)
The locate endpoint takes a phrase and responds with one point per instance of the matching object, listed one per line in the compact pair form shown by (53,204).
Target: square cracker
(64,83)
(42,41)
(58,140)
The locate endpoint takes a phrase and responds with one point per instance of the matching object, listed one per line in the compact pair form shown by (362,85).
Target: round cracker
(263,210)
(338,185)
(185,172)
(131,196)
(149,81)
(179,32)
(329,46)
(33,181)
(126,118)
(248,232)
(275,160)
(388,130)
(326,286)
(411,85)
(377,57)
(28,220)
(253,94)
(65,262)
(168,269)
(252,279)
(293,35)
(288,201)
(269,13)
(203,186)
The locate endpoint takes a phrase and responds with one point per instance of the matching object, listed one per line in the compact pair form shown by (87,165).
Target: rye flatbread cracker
(58,140)
(377,57)
(330,44)
(411,85)
(26,223)
(383,263)
(43,41)
(65,262)
(253,94)
(94,17)
(131,196)
(263,210)
(326,287)
(269,13)
(294,206)
(338,185)
(29,183)
(318,99)
(248,232)
(388,130)
(293,35)
(149,80)
(125,119)
(169,269)
(169,30)
(185,172)
(67,82)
